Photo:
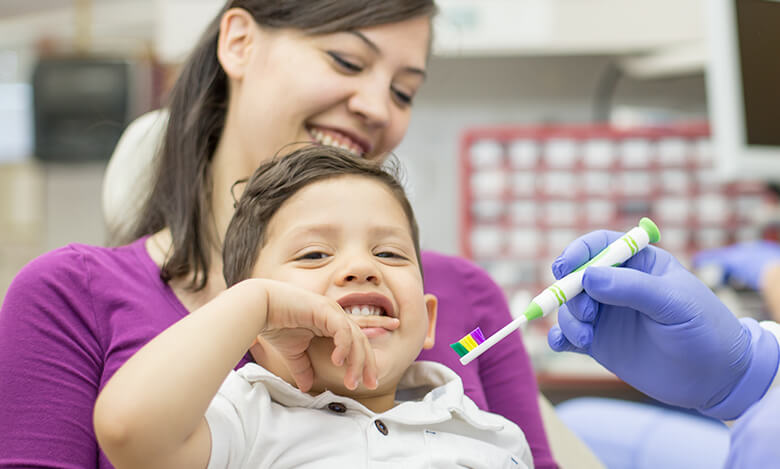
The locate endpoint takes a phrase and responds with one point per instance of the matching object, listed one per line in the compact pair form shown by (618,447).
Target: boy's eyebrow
(378,51)
(324,230)
(332,229)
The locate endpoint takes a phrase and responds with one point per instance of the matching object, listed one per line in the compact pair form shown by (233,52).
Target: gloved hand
(743,262)
(754,436)
(656,326)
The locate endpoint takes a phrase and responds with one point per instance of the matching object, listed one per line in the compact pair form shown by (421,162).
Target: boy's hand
(295,316)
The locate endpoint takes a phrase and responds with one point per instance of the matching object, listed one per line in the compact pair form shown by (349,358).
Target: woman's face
(350,89)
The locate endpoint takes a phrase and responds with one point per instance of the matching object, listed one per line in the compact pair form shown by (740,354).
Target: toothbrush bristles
(469,342)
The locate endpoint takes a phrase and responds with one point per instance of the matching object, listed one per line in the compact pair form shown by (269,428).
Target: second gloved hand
(743,262)
(657,327)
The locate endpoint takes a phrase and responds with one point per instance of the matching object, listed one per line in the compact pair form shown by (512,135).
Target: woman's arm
(770,290)
(151,413)
(51,361)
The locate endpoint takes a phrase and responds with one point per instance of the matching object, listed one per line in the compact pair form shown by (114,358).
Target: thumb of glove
(626,287)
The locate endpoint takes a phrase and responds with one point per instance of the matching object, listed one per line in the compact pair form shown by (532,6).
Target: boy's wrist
(254,295)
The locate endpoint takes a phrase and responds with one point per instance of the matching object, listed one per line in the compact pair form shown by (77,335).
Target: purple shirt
(73,316)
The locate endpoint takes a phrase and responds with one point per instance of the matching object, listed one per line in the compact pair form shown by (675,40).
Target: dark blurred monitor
(81,106)
(743,87)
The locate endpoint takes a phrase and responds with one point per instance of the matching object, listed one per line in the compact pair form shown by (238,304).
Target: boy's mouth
(367,304)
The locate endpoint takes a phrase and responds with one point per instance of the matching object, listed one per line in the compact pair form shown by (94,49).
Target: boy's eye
(312,256)
(344,63)
(389,255)
(404,98)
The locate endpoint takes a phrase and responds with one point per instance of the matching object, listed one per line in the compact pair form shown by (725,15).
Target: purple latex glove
(657,327)
(743,262)
(754,436)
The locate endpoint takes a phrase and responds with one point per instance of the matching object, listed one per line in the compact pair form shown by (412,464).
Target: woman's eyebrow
(378,51)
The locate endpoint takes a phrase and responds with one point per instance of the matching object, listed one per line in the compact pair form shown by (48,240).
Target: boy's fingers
(302,371)
(357,359)
(370,370)
(385,322)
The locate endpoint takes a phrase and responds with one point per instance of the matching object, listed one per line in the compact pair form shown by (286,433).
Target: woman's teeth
(330,140)
(364,310)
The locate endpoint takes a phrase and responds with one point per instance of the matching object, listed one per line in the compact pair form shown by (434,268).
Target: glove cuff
(764,358)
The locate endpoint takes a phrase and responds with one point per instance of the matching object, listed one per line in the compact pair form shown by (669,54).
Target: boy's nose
(359,271)
(358,278)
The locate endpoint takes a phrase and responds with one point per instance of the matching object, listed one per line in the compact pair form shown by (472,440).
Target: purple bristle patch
(476,334)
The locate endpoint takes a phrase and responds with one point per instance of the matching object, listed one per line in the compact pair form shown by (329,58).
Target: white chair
(127,181)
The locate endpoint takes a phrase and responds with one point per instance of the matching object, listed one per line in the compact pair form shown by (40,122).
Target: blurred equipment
(743,74)
(81,105)
(527,191)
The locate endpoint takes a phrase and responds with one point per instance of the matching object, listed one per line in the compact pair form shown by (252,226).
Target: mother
(265,74)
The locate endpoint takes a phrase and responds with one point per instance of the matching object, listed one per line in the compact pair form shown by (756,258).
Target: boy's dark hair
(274,182)
(182,182)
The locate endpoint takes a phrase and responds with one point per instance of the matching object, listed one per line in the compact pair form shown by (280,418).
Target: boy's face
(349,239)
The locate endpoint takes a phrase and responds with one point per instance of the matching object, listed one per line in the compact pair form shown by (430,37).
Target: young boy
(316,234)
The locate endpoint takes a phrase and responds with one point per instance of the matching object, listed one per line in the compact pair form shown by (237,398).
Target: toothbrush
(551,298)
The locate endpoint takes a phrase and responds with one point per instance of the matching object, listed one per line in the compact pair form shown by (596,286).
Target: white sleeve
(774,328)
(228,436)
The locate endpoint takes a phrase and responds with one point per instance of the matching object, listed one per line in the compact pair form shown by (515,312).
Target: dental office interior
(540,120)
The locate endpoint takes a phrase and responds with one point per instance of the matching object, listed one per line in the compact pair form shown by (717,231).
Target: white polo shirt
(257,420)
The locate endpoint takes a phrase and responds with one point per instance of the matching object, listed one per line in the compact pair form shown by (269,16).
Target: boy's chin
(329,377)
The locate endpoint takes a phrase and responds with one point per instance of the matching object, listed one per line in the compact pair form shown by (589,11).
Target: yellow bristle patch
(468,342)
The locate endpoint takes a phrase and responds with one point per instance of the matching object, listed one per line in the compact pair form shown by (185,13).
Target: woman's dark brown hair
(276,181)
(181,196)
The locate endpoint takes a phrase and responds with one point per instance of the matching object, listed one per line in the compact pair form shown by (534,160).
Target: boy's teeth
(363,310)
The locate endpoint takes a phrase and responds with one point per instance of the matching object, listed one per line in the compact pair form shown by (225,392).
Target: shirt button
(337,407)
(380,425)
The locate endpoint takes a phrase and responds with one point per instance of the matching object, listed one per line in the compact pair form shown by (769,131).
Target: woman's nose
(371,101)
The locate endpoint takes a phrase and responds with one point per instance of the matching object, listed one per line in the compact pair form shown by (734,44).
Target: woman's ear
(431,305)
(235,41)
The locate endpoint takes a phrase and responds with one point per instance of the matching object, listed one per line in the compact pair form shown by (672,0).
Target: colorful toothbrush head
(469,342)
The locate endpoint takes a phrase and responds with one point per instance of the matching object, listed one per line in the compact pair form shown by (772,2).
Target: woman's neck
(227,167)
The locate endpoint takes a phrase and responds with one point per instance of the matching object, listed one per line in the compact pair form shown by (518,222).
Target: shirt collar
(428,393)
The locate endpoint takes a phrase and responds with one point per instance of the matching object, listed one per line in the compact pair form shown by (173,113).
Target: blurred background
(541,120)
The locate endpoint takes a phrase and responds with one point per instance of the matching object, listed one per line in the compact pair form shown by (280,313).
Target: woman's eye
(345,64)
(404,98)
(312,256)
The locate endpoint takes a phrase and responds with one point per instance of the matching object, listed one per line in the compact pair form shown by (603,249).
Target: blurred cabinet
(528,191)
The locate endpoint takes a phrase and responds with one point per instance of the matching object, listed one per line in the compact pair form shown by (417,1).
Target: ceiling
(11,8)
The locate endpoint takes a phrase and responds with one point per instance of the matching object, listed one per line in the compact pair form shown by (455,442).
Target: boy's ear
(431,304)
(234,43)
